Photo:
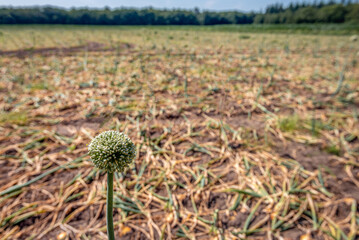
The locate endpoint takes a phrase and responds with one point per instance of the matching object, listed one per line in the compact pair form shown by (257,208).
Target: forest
(294,13)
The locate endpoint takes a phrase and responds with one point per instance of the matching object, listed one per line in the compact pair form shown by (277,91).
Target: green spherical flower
(112,151)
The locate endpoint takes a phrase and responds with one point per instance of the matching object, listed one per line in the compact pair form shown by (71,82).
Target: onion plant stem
(109,213)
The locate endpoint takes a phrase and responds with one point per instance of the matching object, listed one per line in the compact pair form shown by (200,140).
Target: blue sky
(244,5)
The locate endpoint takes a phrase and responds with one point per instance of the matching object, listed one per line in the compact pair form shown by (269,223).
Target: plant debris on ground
(253,137)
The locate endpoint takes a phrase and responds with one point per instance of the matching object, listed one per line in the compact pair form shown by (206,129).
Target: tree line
(317,12)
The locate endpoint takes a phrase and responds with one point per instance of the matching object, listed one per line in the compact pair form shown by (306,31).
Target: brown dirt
(186,144)
(64,51)
(313,158)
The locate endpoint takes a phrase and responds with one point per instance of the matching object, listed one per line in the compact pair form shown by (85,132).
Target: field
(239,134)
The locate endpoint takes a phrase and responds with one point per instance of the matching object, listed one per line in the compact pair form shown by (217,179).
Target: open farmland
(238,135)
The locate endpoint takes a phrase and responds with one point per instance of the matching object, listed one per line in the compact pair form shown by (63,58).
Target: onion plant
(111,151)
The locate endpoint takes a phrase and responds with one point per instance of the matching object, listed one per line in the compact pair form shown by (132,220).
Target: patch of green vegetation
(318,126)
(322,29)
(18,79)
(333,149)
(325,29)
(39,86)
(18,118)
(244,37)
(289,124)
(294,123)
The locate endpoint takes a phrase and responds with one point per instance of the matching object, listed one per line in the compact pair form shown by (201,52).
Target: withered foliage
(252,137)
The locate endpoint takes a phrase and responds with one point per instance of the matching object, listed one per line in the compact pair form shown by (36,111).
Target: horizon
(203,5)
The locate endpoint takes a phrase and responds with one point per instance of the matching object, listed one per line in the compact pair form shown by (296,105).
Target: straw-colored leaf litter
(254,138)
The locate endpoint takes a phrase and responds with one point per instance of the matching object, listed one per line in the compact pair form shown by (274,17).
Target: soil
(187,148)
(63,51)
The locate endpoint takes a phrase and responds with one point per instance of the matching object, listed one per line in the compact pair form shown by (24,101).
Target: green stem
(109,213)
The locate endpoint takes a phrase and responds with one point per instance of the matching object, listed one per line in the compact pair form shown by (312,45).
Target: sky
(217,5)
